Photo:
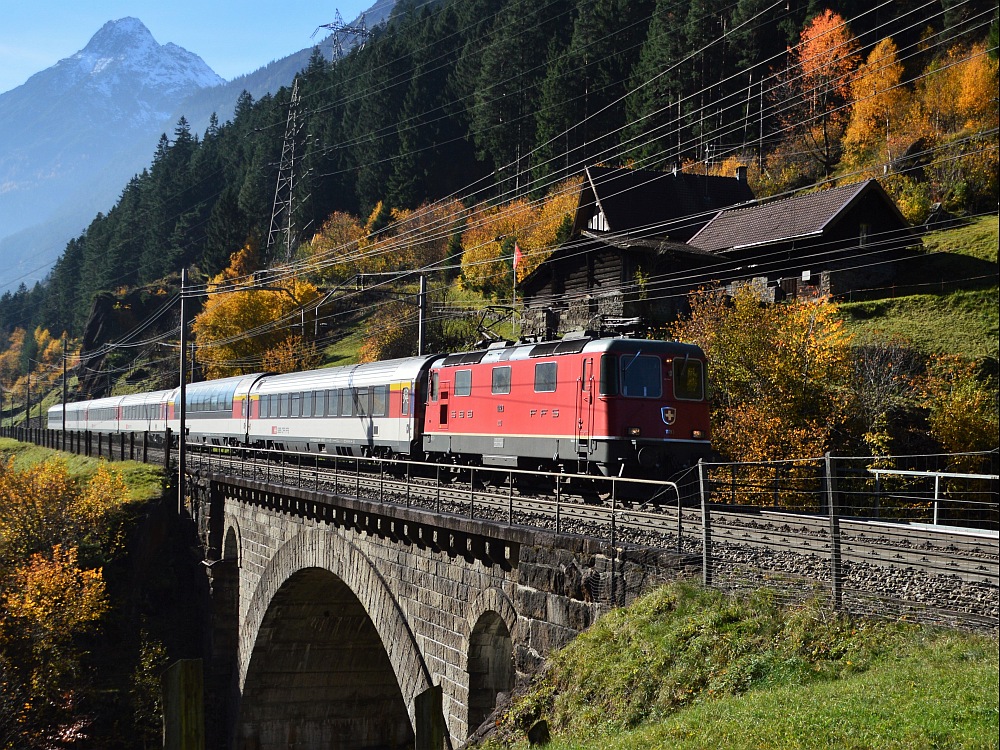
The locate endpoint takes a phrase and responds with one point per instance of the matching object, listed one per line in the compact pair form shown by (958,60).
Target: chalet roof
(662,203)
(786,219)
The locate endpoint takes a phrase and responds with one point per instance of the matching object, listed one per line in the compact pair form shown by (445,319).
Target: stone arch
(490,658)
(321,608)
(232,545)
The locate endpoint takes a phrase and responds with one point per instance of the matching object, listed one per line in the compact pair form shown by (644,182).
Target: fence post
(836,574)
(145,447)
(614,543)
(166,450)
(706,529)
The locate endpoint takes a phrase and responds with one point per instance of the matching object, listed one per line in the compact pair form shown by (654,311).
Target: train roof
(503,352)
(347,376)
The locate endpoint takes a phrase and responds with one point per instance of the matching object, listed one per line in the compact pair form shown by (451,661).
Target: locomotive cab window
(501,380)
(434,386)
(545,377)
(463,382)
(609,375)
(689,380)
(641,376)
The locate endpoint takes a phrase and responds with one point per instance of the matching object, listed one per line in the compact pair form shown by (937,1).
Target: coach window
(332,402)
(501,380)
(362,403)
(463,382)
(307,404)
(689,383)
(283,405)
(346,402)
(641,376)
(405,402)
(379,401)
(296,405)
(545,377)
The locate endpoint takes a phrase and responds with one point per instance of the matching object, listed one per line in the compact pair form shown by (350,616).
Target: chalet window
(598,221)
(641,376)
(463,382)
(501,380)
(864,231)
(689,381)
(609,375)
(545,377)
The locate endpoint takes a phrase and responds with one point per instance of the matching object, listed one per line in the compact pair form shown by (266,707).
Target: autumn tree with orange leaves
(774,372)
(815,88)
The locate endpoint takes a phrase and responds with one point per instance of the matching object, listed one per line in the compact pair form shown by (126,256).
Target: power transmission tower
(342,30)
(282,215)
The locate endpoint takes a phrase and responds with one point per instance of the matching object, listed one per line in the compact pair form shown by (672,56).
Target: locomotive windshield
(641,377)
(689,384)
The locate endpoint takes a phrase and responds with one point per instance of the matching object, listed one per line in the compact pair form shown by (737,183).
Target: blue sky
(232,37)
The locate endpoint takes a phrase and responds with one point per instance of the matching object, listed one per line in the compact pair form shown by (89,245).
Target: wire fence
(906,537)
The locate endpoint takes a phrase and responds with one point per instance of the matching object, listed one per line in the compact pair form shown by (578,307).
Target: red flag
(517,255)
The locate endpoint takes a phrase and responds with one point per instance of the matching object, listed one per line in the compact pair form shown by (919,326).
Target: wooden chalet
(829,242)
(629,225)
(642,242)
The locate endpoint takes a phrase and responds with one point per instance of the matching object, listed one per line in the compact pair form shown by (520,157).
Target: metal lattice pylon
(282,221)
(341,31)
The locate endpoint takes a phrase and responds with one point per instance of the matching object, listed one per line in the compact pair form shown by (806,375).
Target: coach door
(585,406)
(444,392)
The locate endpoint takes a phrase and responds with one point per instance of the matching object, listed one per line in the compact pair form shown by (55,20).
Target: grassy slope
(963,322)
(145,482)
(688,668)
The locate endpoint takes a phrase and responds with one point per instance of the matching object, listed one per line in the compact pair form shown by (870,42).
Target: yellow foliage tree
(774,371)
(240,324)
(963,409)
(491,232)
(391,332)
(879,108)
(49,602)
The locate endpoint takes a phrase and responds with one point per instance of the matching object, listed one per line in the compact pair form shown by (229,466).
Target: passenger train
(609,406)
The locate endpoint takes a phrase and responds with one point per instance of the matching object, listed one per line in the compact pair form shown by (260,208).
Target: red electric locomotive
(627,407)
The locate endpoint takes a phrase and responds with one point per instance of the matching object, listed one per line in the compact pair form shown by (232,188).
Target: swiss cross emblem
(668,414)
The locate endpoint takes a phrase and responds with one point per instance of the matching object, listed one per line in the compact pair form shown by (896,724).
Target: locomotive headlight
(698,434)
(634,432)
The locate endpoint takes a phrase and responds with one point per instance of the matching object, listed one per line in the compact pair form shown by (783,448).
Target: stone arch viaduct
(339,622)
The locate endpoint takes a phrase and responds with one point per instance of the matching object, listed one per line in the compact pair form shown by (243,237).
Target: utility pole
(64,394)
(27,400)
(182,413)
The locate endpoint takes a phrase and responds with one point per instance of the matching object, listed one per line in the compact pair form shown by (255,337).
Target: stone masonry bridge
(345,623)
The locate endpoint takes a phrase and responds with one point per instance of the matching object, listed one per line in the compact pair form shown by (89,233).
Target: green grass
(145,481)
(961,322)
(688,668)
(977,239)
(942,320)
